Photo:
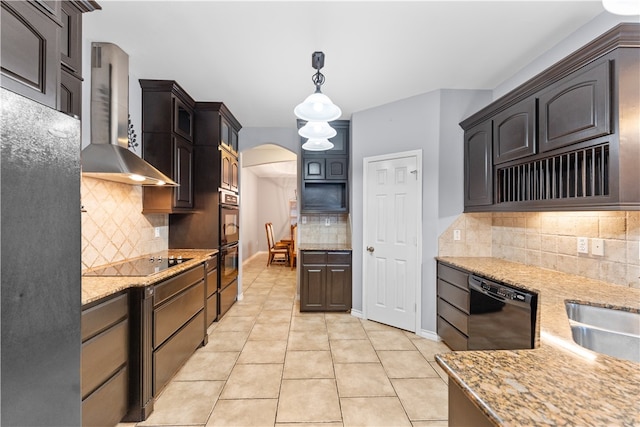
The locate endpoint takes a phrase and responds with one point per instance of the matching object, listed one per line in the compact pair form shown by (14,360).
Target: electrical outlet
(304,219)
(597,247)
(583,245)
(327,221)
(456,234)
(156,231)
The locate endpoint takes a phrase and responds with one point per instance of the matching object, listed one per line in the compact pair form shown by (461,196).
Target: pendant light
(317,107)
(317,130)
(622,7)
(320,144)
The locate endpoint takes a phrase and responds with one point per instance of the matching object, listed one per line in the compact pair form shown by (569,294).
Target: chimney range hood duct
(107,156)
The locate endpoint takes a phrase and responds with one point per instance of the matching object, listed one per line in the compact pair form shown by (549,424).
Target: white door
(392,213)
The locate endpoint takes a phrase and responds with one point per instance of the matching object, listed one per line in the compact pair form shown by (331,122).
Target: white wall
(249,222)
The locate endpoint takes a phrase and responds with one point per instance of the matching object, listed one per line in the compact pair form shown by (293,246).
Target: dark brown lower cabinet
(462,412)
(168,324)
(453,306)
(211,267)
(104,368)
(326,281)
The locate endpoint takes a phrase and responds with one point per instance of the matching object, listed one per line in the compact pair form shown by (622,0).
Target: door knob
(370,249)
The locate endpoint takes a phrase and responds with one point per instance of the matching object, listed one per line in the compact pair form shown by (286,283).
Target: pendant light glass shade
(317,108)
(317,145)
(317,130)
(622,7)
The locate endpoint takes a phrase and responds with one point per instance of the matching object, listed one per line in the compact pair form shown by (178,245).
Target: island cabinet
(325,174)
(562,140)
(325,284)
(453,306)
(462,411)
(41,51)
(105,354)
(167,135)
(169,325)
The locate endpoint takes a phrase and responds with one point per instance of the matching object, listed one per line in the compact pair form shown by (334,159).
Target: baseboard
(252,257)
(240,296)
(357,313)
(430,335)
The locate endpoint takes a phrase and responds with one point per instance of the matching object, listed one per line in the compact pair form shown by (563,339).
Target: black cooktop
(138,267)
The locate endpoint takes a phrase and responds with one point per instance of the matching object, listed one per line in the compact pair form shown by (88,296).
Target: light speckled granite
(549,385)
(95,288)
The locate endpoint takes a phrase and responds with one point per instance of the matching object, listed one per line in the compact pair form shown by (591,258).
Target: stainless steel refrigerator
(40,229)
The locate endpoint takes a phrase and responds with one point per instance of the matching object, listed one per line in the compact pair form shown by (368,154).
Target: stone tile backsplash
(113,226)
(549,240)
(316,229)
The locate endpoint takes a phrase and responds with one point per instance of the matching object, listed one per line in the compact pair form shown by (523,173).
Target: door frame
(365,176)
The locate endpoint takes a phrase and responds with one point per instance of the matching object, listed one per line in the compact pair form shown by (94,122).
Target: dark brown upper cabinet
(567,139)
(41,52)
(514,132)
(228,170)
(478,170)
(576,108)
(167,134)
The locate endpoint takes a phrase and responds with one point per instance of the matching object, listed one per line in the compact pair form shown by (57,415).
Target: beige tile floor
(267,364)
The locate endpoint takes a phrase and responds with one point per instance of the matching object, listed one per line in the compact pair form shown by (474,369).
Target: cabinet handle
(370,249)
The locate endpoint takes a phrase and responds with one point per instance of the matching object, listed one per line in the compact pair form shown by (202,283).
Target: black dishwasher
(500,317)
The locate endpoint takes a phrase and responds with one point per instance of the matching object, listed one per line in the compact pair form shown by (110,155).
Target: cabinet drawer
(170,287)
(457,297)
(108,404)
(454,316)
(454,339)
(339,258)
(172,355)
(211,263)
(103,355)
(171,316)
(102,316)
(453,276)
(314,257)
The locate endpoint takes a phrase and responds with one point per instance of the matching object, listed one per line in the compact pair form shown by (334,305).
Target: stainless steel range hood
(107,156)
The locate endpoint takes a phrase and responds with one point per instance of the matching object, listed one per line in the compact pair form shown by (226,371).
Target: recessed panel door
(391,253)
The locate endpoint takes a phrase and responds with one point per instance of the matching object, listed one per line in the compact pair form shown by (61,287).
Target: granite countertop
(324,246)
(549,385)
(97,287)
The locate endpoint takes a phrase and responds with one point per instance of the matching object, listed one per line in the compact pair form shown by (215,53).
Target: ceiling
(256,56)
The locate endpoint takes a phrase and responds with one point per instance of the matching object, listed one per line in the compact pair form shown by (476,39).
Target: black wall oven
(229,218)
(229,256)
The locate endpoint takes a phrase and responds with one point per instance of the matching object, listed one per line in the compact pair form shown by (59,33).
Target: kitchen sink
(605,330)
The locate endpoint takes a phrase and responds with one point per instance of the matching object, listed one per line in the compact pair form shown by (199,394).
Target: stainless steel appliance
(500,317)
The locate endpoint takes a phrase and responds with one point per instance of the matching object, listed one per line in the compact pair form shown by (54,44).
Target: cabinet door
(29,53)
(70,97)
(225,170)
(233,179)
(312,291)
(182,119)
(71,38)
(224,132)
(338,296)
(478,168)
(314,169)
(336,168)
(183,173)
(234,140)
(514,132)
(576,108)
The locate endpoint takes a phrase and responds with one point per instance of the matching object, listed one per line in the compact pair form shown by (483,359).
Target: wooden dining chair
(292,247)
(278,252)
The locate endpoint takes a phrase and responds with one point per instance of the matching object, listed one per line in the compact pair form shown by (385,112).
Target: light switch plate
(156,231)
(456,234)
(597,247)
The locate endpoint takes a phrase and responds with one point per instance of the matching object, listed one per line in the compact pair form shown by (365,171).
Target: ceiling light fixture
(321,144)
(317,107)
(622,7)
(317,130)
